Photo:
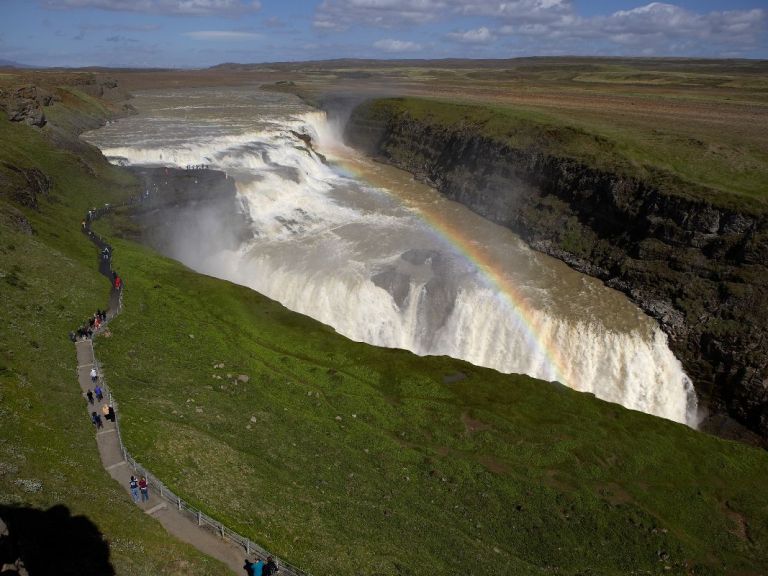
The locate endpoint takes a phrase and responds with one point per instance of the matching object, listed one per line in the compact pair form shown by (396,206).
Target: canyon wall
(698,268)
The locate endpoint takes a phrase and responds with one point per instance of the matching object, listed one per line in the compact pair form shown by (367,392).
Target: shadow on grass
(51,542)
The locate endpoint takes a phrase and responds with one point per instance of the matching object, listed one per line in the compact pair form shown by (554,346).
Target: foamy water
(386,260)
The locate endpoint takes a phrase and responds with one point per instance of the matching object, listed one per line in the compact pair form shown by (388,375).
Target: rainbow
(509,295)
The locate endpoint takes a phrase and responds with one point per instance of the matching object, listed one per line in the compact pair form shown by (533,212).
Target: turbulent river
(387,260)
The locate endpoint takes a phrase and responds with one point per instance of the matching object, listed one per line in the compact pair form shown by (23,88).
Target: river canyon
(384,258)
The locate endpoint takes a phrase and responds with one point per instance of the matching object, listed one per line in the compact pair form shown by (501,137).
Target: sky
(201,33)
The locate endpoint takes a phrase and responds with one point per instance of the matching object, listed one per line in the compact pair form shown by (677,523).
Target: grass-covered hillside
(349,459)
(48,285)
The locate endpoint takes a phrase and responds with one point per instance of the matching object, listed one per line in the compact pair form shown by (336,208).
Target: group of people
(88,328)
(108,412)
(97,395)
(197,166)
(260,567)
(139,489)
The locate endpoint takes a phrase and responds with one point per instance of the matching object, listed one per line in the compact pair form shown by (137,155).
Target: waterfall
(328,242)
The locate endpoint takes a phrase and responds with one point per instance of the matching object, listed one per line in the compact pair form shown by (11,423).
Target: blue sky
(199,33)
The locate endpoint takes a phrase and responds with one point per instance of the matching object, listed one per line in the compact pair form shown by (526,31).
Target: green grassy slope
(49,284)
(709,166)
(344,458)
(349,459)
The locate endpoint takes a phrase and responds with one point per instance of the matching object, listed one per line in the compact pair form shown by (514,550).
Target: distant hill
(11,64)
(459,63)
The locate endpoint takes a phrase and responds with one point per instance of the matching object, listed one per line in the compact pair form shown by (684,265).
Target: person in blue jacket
(253,568)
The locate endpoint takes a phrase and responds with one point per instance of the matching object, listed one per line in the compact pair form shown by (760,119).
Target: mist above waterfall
(384,259)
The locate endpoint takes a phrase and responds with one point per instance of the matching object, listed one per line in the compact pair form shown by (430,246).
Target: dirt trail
(173,520)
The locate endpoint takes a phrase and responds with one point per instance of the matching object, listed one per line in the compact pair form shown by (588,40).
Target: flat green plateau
(692,127)
(712,167)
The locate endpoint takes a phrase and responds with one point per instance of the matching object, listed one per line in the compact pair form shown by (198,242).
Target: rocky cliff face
(700,270)
(26,103)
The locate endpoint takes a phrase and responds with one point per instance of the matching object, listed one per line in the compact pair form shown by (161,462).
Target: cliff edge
(690,257)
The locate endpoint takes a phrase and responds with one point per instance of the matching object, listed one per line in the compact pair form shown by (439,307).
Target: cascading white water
(394,264)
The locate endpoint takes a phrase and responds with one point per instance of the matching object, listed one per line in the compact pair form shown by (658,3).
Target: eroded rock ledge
(699,269)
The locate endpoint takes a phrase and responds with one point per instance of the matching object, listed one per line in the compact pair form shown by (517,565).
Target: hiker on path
(94,375)
(111,415)
(254,568)
(96,419)
(270,567)
(133,484)
(89,394)
(105,411)
(144,487)
(99,393)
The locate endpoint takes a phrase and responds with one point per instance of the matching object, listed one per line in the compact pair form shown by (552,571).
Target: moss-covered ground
(48,286)
(349,459)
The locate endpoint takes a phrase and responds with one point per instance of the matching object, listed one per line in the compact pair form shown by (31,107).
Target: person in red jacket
(144,489)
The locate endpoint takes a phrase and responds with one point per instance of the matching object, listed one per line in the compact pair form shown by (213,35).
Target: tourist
(89,394)
(133,484)
(94,375)
(96,419)
(270,567)
(99,393)
(257,569)
(105,411)
(144,487)
(111,415)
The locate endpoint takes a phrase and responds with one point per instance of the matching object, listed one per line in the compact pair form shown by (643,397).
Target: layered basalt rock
(698,268)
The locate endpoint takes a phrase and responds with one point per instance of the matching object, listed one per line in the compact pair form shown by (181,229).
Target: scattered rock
(244,378)
(254,419)
(192,336)
(338,418)
(199,409)
(24,186)
(30,486)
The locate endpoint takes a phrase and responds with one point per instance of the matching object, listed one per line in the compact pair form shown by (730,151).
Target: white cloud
(395,46)
(655,28)
(555,26)
(223,35)
(187,7)
(519,10)
(480,35)
(341,14)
